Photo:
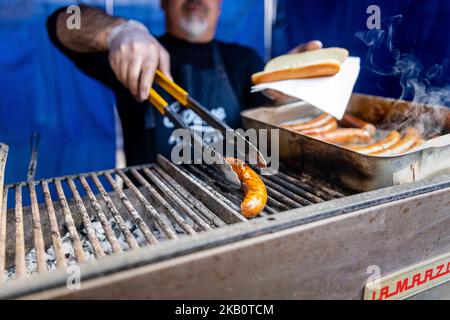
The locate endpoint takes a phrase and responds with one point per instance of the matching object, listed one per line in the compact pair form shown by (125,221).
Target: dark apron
(210,87)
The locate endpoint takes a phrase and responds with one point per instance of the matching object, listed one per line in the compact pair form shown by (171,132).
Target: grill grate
(78,218)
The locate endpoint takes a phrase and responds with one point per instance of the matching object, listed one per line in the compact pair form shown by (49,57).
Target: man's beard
(194,26)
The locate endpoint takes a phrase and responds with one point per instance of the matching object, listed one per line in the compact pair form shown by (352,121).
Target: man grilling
(123,55)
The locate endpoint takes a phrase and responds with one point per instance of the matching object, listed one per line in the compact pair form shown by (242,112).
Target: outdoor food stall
(169,160)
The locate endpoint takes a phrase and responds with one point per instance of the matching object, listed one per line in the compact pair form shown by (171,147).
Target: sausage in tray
(357,135)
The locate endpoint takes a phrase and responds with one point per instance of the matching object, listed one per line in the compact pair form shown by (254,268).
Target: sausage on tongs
(255,192)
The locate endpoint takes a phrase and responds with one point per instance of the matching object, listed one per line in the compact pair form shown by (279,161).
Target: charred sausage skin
(255,192)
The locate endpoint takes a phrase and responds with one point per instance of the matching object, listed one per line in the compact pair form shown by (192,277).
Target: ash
(50,255)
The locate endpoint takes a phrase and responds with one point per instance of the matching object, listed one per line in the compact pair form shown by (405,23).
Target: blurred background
(42,91)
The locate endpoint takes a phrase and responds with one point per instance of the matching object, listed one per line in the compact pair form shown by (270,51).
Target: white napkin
(330,94)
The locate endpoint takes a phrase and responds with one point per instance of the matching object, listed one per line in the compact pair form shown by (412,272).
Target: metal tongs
(185,100)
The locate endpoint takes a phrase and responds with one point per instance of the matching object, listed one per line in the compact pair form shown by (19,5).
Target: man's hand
(308,46)
(134,56)
(281,98)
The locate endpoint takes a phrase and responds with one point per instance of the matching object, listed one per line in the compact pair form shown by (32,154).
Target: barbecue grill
(176,232)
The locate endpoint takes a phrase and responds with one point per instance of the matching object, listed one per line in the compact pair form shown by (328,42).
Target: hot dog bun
(309,64)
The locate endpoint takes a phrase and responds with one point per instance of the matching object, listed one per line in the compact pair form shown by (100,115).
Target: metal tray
(354,170)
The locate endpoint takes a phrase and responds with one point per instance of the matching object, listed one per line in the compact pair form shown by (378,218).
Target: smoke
(416,81)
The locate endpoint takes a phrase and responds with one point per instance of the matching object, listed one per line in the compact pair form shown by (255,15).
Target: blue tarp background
(41,91)
(423,33)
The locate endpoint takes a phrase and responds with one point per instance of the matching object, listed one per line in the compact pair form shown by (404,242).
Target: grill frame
(231,234)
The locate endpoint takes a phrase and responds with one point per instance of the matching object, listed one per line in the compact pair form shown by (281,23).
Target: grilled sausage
(410,138)
(392,138)
(255,193)
(351,121)
(418,143)
(321,120)
(329,126)
(345,135)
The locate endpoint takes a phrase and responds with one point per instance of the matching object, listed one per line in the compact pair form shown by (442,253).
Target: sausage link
(392,138)
(410,138)
(351,121)
(345,135)
(321,120)
(255,193)
(330,126)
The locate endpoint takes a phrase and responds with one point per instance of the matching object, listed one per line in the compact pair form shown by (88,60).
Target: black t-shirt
(240,63)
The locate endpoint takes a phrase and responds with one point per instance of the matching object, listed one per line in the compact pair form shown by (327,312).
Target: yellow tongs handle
(158,101)
(172,88)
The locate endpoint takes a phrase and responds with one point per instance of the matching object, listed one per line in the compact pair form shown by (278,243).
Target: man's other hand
(134,55)
(281,98)
(308,46)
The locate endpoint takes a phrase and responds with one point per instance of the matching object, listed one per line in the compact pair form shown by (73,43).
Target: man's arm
(134,54)
(96,26)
